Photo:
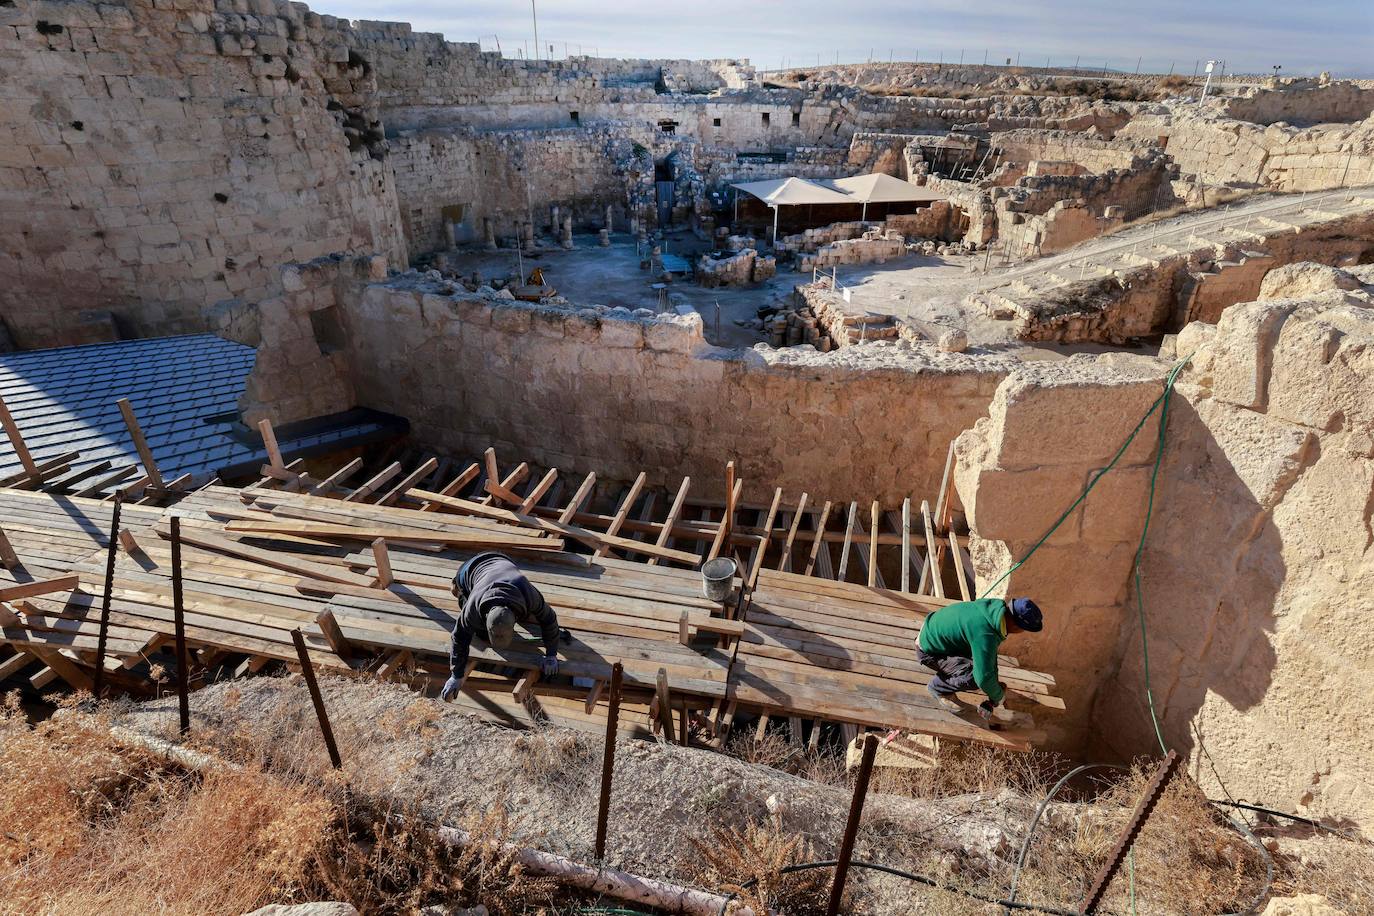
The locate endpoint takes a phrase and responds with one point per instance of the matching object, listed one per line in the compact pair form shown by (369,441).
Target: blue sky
(1304,37)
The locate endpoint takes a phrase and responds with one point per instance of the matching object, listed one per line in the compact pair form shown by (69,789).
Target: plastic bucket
(716,578)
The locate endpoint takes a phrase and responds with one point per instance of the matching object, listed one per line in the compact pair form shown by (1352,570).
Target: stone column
(604,238)
(567,232)
(554,221)
(488,234)
(610,226)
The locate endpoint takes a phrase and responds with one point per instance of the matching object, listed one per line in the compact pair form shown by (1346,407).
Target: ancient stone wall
(508,177)
(159,159)
(588,389)
(1343,101)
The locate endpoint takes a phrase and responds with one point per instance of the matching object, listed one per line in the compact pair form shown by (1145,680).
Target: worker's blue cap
(1026,614)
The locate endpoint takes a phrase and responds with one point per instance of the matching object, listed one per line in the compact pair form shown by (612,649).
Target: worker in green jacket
(959,643)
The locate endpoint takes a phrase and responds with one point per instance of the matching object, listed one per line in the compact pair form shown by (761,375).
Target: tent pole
(863,218)
(732,225)
(775,226)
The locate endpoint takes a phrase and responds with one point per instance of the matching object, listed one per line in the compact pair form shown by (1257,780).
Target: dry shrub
(823,765)
(1311,862)
(964,769)
(731,859)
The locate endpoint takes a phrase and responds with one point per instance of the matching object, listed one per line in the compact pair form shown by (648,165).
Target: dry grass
(93,826)
(750,863)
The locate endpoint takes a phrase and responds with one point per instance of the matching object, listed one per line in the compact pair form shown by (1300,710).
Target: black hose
(1263,894)
(1039,812)
(1346,834)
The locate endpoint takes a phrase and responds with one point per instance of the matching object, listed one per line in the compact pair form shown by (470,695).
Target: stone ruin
(260,170)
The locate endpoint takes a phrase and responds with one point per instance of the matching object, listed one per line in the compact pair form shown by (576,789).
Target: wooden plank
(269,442)
(818,542)
(324,531)
(785,561)
(622,512)
(38,587)
(906,544)
(874,518)
(584,490)
(64,667)
(375,484)
(504,490)
(591,538)
(333,635)
(65,483)
(533,497)
(15,663)
(665,704)
(493,473)
(462,480)
(410,480)
(727,520)
(382,558)
(942,498)
(109,480)
(766,539)
(145,454)
(335,481)
(8,558)
(848,538)
(931,568)
(956,552)
(673,514)
(17,440)
(277,560)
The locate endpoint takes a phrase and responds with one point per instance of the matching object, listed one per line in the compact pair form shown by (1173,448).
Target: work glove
(985,709)
(548,665)
(450,689)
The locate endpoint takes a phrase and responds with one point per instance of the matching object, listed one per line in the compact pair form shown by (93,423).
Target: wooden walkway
(365,574)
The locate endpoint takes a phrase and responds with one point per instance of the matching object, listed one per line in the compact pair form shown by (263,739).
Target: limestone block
(622,333)
(1304,279)
(1242,351)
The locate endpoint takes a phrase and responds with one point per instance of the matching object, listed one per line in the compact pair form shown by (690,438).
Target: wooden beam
(785,562)
(17,440)
(931,569)
(942,498)
(766,539)
(959,574)
(874,519)
(375,484)
(727,521)
(145,454)
(503,491)
(475,537)
(493,473)
(848,539)
(63,666)
(15,663)
(333,635)
(906,544)
(335,480)
(665,703)
(623,512)
(382,558)
(684,630)
(819,539)
(269,442)
(109,480)
(38,587)
(533,497)
(284,561)
(8,558)
(575,504)
(673,513)
(593,695)
(462,480)
(127,540)
(424,470)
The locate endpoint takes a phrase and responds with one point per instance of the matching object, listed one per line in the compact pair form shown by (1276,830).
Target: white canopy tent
(784,192)
(859,189)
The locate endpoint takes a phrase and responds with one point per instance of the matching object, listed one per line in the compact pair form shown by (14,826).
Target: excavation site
(495,477)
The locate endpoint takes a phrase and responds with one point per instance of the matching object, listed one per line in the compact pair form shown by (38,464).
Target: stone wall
(159,159)
(590,389)
(1343,101)
(1258,564)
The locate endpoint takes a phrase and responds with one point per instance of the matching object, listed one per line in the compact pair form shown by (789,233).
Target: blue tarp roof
(185,391)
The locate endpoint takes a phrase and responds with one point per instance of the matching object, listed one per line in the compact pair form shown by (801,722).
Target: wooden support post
(684,629)
(673,514)
(622,513)
(848,538)
(329,626)
(684,729)
(765,539)
(584,490)
(179,626)
(761,730)
(525,685)
(851,826)
(17,440)
(906,544)
(727,521)
(593,696)
(603,807)
(959,573)
(335,480)
(410,480)
(8,558)
(145,454)
(785,561)
(308,672)
(127,541)
(462,480)
(931,570)
(665,704)
(1148,799)
(942,498)
(375,484)
(269,442)
(875,519)
(819,542)
(493,473)
(113,548)
(382,559)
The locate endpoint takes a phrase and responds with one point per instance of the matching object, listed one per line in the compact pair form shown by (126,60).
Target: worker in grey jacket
(496,596)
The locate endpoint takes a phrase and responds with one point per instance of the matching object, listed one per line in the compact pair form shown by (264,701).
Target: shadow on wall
(1209,630)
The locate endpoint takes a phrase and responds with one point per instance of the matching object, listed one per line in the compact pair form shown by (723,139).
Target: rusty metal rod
(308,672)
(99,685)
(1148,799)
(851,826)
(179,622)
(603,809)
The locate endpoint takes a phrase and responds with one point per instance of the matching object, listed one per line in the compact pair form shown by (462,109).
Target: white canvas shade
(859,189)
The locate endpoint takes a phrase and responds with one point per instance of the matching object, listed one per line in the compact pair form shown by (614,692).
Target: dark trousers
(952,673)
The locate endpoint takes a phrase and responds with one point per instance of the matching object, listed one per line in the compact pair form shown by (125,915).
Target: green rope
(1162,405)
